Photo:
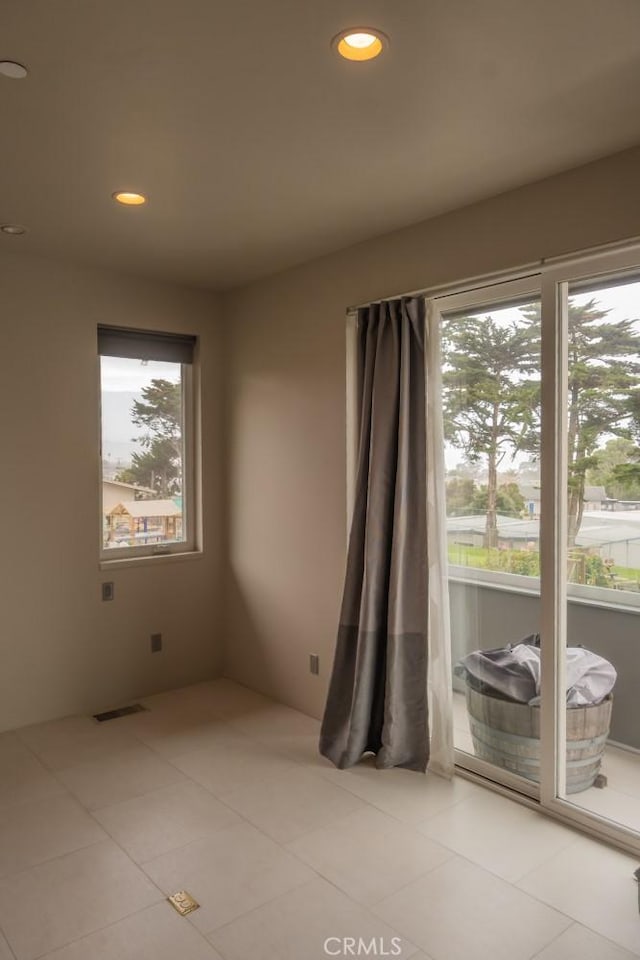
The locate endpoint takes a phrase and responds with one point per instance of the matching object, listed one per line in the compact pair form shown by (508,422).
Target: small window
(147,450)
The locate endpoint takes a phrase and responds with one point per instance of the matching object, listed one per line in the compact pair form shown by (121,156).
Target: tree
(603,379)
(459,491)
(509,500)
(627,475)
(616,468)
(491,394)
(159,464)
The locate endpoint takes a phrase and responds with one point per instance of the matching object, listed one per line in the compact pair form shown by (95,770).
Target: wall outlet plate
(314,664)
(108,590)
(156,642)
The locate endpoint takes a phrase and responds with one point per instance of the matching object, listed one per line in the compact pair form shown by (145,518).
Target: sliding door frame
(548,282)
(498,294)
(557,278)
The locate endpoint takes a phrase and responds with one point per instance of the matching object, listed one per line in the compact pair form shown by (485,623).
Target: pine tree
(603,380)
(159,464)
(617,469)
(491,394)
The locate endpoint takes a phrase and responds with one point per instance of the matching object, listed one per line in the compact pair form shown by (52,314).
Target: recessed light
(9,68)
(13,229)
(360,43)
(129,199)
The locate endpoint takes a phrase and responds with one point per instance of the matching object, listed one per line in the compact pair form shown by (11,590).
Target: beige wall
(62,649)
(285,364)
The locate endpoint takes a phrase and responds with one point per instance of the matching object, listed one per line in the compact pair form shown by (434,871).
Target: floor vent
(121,712)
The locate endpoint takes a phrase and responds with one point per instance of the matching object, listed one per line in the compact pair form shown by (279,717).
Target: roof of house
(597,529)
(146,508)
(593,494)
(130,486)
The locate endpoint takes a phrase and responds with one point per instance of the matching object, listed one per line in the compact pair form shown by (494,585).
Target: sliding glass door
(598,390)
(541,402)
(491,373)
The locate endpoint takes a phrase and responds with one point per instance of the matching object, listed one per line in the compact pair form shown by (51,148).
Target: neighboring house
(513,534)
(595,498)
(531,496)
(115,492)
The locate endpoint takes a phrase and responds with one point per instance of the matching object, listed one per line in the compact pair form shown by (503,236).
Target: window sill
(149,560)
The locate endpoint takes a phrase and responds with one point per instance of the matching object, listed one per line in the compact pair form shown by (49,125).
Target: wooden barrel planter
(507,734)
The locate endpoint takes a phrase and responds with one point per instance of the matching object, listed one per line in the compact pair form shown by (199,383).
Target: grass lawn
(523,562)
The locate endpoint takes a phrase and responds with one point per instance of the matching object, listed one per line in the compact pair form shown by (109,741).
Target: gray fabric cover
(513,673)
(377,698)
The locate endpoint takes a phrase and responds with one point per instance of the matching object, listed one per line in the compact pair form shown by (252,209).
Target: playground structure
(143,521)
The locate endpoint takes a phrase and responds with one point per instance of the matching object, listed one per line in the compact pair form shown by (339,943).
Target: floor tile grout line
(552,941)
(246,819)
(582,923)
(56,775)
(377,806)
(570,843)
(516,880)
(583,926)
(58,856)
(6,939)
(97,929)
(370,906)
(85,936)
(259,906)
(495,876)
(319,876)
(186,779)
(55,770)
(170,760)
(265,903)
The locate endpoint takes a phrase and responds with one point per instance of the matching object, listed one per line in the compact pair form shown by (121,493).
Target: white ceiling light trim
(360,43)
(128,198)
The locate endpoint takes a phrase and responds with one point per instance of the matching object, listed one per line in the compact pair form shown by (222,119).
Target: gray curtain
(377,699)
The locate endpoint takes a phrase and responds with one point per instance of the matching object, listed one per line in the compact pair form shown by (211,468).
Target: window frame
(190,546)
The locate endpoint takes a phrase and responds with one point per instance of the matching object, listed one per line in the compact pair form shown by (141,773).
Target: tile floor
(220,791)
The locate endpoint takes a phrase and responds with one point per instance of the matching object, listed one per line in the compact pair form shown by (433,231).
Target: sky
(122,383)
(122,375)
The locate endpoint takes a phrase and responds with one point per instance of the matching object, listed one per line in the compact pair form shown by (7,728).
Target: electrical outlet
(314,663)
(108,590)
(156,642)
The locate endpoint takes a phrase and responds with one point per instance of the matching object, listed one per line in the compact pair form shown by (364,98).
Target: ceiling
(260,149)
